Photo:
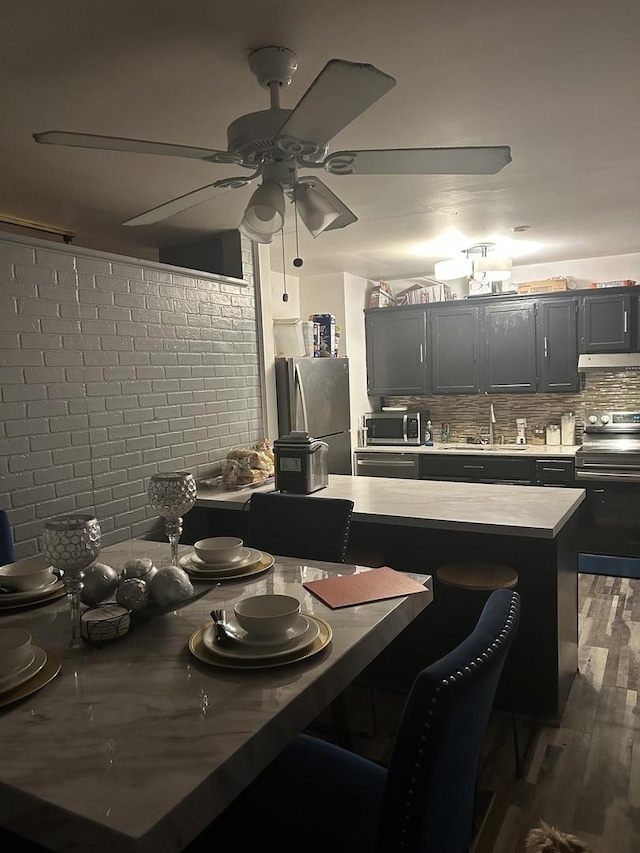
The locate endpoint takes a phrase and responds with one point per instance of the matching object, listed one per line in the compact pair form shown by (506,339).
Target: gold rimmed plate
(9,600)
(265,562)
(199,650)
(46,674)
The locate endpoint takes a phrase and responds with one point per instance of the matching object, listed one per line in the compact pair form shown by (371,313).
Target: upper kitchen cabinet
(557,345)
(453,333)
(396,341)
(509,342)
(605,322)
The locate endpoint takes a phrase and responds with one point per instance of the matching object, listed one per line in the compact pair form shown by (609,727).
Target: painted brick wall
(112,369)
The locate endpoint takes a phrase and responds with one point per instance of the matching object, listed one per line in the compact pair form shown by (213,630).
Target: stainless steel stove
(610,449)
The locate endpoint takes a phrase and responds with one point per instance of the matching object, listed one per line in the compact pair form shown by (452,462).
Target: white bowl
(219,549)
(15,650)
(32,573)
(267,615)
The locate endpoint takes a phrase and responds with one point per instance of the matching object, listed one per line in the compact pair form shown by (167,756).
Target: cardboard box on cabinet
(381,296)
(549,285)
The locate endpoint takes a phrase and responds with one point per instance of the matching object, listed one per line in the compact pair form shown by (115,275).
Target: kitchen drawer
(478,468)
(402,465)
(559,472)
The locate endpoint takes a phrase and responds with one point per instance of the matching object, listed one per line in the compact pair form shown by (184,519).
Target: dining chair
(7,552)
(300,526)
(316,796)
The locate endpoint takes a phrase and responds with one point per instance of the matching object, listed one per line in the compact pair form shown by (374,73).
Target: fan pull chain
(297,261)
(285,295)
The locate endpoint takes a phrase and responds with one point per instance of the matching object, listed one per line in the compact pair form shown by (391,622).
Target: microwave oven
(393,428)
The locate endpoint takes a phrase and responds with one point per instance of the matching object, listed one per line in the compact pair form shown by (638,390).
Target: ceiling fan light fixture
(254,236)
(265,212)
(493,267)
(452,269)
(316,210)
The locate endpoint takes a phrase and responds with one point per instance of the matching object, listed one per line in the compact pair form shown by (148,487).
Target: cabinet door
(605,323)
(396,351)
(453,350)
(557,343)
(509,338)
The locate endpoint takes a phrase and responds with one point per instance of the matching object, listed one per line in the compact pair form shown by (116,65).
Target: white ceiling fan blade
(320,209)
(339,94)
(177,205)
(135,146)
(478,160)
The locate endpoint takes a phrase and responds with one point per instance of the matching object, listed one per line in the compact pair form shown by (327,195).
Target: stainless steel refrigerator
(313,395)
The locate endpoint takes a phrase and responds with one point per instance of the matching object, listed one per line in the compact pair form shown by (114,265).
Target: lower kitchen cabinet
(476,468)
(402,465)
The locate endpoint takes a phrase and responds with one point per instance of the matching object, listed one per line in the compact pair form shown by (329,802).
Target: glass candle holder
(172,496)
(71,543)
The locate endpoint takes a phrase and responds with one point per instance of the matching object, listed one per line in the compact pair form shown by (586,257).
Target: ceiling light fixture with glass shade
(480,262)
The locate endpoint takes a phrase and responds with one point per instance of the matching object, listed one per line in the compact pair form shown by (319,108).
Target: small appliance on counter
(393,427)
(521,430)
(301,463)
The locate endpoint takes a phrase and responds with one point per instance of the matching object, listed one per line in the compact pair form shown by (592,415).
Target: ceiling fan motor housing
(254,135)
(273,65)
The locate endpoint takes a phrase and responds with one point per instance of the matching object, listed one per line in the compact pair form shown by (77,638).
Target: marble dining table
(136,745)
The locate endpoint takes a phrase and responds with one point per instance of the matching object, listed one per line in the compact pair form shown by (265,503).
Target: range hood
(612,361)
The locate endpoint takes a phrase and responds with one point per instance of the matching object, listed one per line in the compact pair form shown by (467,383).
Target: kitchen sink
(490,448)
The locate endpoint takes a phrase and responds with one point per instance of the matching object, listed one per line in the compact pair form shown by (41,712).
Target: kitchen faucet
(492,421)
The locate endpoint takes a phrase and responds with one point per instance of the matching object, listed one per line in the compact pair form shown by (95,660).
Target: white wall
(583,270)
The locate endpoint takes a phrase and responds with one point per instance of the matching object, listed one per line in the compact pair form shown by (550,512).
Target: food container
(568,428)
(289,339)
(538,436)
(553,434)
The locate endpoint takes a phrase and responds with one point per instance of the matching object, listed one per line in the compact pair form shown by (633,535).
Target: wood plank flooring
(584,776)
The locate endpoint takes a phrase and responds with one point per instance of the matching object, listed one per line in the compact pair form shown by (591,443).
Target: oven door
(610,514)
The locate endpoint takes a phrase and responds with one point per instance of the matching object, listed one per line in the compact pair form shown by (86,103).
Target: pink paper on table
(347,590)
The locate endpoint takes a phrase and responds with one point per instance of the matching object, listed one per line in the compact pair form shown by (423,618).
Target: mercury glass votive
(172,495)
(71,543)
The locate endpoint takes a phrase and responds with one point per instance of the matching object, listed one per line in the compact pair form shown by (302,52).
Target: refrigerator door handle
(303,401)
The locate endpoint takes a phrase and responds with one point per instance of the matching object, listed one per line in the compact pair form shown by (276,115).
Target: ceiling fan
(275,143)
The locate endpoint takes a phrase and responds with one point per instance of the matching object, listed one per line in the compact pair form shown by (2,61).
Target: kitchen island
(420,525)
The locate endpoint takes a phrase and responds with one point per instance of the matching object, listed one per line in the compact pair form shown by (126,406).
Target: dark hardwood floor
(584,776)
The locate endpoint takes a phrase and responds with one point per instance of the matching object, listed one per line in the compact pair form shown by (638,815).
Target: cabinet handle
(421,349)
(475,351)
(546,347)
(474,467)
(626,322)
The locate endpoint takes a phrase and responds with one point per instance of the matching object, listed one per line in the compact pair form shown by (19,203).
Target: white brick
(84,374)
(11,287)
(49,442)
(127,270)
(58,506)
(75,486)
(113,342)
(122,403)
(17,444)
(40,342)
(101,358)
(12,254)
(68,423)
(109,312)
(35,308)
(11,375)
(85,406)
(67,278)
(35,375)
(54,474)
(60,326)
(32,274)
(15,323)
(66,390)
(26,513)
(98,327)
(13,411)
(30,461)
(94,297)
(129,300)
(56,260)
(79,312)
(112,284)
(94,266)
(138,387)
(17,393)
(71,454)
(46,408)
(81,343)
(62,357)
(135,358)
(58,294)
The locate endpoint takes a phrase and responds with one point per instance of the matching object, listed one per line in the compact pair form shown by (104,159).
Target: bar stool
(479,577)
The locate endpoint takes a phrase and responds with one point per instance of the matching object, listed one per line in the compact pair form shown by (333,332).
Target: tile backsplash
(112,369)
(468,415)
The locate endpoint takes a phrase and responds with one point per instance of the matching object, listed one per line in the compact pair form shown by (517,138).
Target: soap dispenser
(428,434)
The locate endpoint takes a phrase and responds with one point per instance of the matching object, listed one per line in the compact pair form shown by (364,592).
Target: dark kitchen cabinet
(605,322)
(508,333)
(453,334)
(396,343)
(557,345)
(478,468)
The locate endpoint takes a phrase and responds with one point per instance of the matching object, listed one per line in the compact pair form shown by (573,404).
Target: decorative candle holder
(71,543)
(172,496)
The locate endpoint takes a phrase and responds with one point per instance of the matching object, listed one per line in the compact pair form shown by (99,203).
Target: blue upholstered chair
(7,553)
(316,796)
(300,526)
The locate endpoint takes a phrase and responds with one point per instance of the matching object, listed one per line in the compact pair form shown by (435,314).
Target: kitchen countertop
(529,511)
(537,450)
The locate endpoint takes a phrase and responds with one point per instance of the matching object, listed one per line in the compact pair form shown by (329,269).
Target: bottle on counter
(568,428)
(428,434)
(445,433)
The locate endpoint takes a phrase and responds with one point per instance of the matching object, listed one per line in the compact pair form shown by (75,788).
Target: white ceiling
(555,79)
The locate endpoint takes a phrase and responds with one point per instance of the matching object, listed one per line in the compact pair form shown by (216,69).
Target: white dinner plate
(12,681)
(7,599)
(243,651)
(195,564)
(17,671)
(238,633)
